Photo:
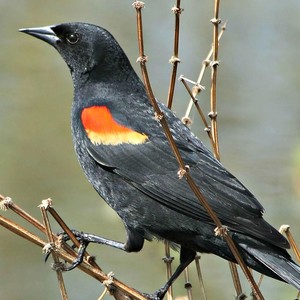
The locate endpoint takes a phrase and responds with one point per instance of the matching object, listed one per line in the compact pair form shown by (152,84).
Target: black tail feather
(282,266)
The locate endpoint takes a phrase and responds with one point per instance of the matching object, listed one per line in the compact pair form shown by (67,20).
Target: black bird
(125,155)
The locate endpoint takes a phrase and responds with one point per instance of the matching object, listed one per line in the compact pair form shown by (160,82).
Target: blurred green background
(259,125)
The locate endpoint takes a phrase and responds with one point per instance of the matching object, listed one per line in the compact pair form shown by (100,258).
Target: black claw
(79,258)
(47,256)
(47,250)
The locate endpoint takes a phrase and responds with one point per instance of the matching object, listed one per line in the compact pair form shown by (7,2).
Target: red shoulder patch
(101,128)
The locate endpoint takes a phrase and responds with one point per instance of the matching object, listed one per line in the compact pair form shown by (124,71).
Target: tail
(275,262)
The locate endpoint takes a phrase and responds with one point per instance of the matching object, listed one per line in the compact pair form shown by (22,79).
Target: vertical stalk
(197,262)
(174,59)
(168,261)
(188,284)
(235,278)
(197,86)
(62,287)
(213,116)
(214,71)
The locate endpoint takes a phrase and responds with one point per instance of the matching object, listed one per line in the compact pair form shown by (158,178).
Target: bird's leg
(134,243)
(186,257)
(92,238)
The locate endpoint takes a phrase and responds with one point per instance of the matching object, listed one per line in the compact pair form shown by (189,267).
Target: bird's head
(84,47)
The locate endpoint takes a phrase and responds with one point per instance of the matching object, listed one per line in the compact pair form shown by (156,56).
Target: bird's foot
(158,295)
(80,236)
(84,242)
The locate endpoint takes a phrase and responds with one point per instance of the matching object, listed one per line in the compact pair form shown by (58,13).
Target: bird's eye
(72,38)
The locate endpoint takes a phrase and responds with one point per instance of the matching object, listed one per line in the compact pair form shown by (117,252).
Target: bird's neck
(108,81)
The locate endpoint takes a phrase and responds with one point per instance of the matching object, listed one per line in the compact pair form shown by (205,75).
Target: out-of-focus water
(259,125)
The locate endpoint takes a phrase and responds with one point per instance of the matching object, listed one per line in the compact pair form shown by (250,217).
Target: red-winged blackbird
(125,155)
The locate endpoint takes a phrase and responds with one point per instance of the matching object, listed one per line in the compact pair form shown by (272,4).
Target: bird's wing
(150,166)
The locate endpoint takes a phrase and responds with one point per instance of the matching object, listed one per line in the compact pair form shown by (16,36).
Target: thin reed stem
(168,259)
(197,86)
(60,279)
(174,59)
(118,289)
(202,289)
(214,71)
(188,286)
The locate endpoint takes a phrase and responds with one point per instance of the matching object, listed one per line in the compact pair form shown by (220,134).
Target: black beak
(43,33)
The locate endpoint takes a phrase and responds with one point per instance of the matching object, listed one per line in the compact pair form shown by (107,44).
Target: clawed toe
(80,255)
(79,258)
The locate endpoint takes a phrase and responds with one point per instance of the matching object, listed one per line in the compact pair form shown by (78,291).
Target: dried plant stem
(168,259)
(286,229)
(213,116)
(188,284)
(197,86)
(197,262)
(159,114)
(261,277)
(22,232)
(183,169)
(23,214)
(64,226)
(62,287)
(174,59)
(235,278)
(199,110)
(118,289)
(214,70)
